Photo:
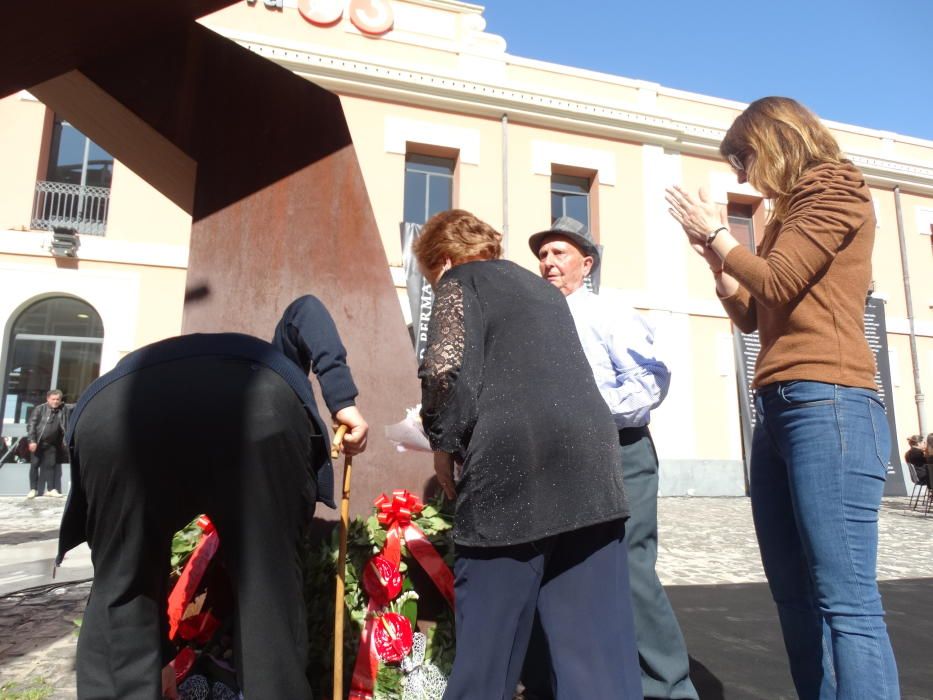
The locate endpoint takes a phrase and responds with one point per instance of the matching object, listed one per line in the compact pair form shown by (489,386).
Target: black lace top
(507,390)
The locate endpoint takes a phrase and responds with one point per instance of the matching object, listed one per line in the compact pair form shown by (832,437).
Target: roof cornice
(358,75)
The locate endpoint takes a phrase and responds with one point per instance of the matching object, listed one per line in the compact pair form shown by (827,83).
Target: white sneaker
(31,494)
(53,493)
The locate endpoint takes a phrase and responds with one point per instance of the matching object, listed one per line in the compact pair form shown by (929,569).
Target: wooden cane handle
(338,438)
(340,597)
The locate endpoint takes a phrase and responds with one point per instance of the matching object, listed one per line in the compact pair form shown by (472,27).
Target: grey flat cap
(572,230)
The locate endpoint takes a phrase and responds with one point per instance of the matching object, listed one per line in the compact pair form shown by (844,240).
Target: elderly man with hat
(619,345)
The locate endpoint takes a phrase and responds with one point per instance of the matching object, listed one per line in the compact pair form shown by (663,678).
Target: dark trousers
(577,582)
(156,448)
(662,653)
(45,472)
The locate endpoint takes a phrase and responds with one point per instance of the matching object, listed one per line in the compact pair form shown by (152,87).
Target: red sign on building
(369,16)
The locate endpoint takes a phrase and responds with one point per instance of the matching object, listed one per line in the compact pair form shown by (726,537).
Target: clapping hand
(699,217)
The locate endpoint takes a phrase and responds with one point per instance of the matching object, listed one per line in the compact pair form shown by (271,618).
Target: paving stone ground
(712,540)
(702,541)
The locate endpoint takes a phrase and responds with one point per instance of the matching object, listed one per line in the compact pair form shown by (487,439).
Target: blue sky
(863,62)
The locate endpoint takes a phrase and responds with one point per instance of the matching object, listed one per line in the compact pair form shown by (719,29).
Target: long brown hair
(786,139)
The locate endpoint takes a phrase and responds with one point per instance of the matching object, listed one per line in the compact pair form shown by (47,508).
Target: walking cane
(339,602)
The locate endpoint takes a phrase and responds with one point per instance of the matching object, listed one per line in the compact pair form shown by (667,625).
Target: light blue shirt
(619,345)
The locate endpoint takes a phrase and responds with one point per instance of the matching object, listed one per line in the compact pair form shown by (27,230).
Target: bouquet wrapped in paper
(408,434)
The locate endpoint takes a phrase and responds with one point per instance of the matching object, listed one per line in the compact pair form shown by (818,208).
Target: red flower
(382,580)
(392,637)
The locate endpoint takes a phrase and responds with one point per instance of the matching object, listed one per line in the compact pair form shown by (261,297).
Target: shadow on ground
(736,650)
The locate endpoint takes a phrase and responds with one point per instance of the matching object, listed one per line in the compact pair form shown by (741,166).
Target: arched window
(54,344)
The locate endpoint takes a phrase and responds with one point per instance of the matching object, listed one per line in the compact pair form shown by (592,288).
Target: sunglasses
(736,162)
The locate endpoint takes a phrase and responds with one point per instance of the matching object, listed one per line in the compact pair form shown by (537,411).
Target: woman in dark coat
(508,396)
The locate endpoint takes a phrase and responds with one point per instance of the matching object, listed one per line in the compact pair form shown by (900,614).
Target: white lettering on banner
(424,318)
(369,16)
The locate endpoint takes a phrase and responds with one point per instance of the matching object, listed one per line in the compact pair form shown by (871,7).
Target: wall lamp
(65,242)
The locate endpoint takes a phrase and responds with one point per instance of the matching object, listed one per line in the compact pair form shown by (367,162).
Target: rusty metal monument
(264,163)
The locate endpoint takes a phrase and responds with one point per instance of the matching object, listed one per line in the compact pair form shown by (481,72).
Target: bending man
(223,424)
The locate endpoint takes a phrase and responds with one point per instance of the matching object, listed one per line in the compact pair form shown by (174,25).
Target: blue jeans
(817,475)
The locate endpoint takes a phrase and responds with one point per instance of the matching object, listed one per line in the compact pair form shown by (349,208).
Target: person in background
(929,453)
(507,395)
(619,346)
(249,449)
(45,432)
(916,456)
(818,458)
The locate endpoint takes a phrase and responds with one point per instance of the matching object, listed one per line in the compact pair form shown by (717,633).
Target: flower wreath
(386,658)
(390,651)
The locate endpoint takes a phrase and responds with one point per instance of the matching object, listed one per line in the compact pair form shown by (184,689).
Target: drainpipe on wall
(505,181)
(918,395)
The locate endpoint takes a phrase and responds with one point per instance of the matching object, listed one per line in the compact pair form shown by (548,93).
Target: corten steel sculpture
(263,161)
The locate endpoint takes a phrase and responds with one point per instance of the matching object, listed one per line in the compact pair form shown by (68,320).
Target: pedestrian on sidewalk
(45,432)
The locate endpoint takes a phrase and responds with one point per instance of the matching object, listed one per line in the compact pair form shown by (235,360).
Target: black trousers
(45,472)
(577,583)
(156,448)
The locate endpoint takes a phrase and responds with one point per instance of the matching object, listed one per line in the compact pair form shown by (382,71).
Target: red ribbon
(198,628)
(192,574)
(183,662)
(367,661)
(395,513)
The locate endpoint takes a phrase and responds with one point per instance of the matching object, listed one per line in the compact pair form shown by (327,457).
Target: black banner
(420,294)
(876,333)
(747,347)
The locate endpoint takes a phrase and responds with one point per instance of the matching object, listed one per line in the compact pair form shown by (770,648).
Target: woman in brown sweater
(821,440)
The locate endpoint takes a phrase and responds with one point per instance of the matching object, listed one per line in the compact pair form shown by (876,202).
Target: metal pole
(505,180)
(918,395)
(87,149)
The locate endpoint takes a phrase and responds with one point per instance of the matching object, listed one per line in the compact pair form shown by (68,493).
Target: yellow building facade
(441,115)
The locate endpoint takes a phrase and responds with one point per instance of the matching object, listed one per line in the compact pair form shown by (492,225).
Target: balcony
(80,207)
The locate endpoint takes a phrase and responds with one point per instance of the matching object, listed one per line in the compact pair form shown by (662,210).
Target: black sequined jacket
(507,390)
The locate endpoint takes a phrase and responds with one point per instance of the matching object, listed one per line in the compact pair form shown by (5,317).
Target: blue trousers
(662,652)
(578,584)
(818,463)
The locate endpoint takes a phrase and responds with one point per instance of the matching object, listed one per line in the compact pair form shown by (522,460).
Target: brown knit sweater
(805,290)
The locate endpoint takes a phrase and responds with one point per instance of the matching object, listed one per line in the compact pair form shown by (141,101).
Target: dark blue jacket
(306,338)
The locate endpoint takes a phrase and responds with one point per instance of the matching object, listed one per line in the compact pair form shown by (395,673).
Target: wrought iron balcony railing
(73,206)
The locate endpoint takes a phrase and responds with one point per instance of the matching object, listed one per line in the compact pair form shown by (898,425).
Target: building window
(570,196)
(742,224)
(54,344)
(429,186)
(76,191)
(77,160)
